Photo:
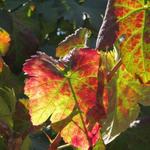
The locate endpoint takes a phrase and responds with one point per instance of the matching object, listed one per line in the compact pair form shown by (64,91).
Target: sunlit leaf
(55,88)
(99,145)
(76,40)
(134,24)
(24,102)
(51,85)
(125,93)
(130,20)
(1,64)
(4,42)
(75,133)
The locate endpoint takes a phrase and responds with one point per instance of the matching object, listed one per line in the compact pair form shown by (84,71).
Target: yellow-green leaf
(76,40)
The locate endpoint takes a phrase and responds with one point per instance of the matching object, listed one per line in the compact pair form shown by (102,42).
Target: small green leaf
(76,40)
(8,79)
(7,102)
(26,145)
(99,145)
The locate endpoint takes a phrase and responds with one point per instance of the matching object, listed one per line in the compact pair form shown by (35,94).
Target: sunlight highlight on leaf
(134,23)
(76,40)
(4,42)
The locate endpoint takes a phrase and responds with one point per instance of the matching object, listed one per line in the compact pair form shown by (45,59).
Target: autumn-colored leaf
(134,23)
(55,88)
(48,81)
(130,23)
(124,94)
(76,134)
(121,97)
(4,42)
(76,40)
(1,64)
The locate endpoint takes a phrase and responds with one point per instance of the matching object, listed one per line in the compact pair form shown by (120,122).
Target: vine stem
(48,137)
(114,70)
(55,142)
(19,6)
(63,146)
(100,89)
(77,104)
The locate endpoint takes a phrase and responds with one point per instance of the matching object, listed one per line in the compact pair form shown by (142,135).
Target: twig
(48,137)
(114,69)
(63,146)
(55,142)
(19,6)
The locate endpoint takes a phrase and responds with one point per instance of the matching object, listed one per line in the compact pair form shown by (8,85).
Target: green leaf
(124,94)
(135,138)
(6,21)
(8,79)
(2,144)
(99,145)
(26,145)
(7,102)
(122,109)
(73,11)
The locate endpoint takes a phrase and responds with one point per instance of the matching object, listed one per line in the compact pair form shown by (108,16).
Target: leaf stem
(48,137)
(80,113)
(19,6)
(55,142)
(114,69)
(63,146)
(100,89)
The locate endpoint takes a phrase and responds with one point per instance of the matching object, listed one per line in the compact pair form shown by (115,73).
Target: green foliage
(8,102)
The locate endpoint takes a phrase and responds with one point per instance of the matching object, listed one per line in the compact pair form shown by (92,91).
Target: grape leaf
(125,93)
(104,40)
(75,133)
(8,79)
(1,64)
(4,45)
(76,40)
(131,23)
(134,138)
(134,24)
(55,88)
(7,102)
(121,97)
(73,11)
(49,84)
(122,109)
(4,42)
